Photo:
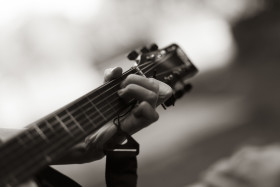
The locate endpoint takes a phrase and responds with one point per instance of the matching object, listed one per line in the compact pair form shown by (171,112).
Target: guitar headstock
(170,65)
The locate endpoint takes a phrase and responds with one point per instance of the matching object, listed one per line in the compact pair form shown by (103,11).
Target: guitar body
(46,140)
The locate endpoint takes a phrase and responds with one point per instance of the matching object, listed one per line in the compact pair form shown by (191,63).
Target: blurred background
(52,52)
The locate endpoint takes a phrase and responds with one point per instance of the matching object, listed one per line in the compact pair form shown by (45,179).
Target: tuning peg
(133,55)
(153,47)
(144,50)
(188,88)
(177,94)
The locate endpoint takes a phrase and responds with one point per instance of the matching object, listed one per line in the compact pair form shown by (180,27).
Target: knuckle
(108,71)
(153,84)
(152,96)
(155,116)
(151,114)
(131,77)
(129,88)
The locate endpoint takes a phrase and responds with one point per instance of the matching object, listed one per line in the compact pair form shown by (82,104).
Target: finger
(141,116)
(163,90)
(97,140)
(133,91)
(112,73)
(149,83)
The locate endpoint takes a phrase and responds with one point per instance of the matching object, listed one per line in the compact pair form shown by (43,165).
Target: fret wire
(109,84)
(75,127)
(28,134)
(47,128)
(30,141)
(35,152)
(67,119)
(56,125)
(29,149)
(84,108)
(24,135)
(108,110)
(62,142)
(63,125)
(48,124)
(80,123)
(68,123)
(84,101)
(36,161)
(90,94)
(97,118)
(96,108)
(109,104)
(106,98)
(95,94)
(103,105)
(92,120)
(79,115)
(91,101)
(71,124)
(41,133)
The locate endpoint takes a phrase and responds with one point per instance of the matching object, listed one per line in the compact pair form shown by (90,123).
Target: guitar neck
(50,137)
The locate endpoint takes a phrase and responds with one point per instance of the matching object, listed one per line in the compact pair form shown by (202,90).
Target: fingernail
(113,69)
(120,92)
(122,84)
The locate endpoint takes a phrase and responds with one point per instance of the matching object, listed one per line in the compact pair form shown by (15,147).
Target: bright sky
(74,9)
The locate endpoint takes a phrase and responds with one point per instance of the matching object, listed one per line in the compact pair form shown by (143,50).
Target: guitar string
(164,72)
(40,158)
(66,122)
(37,160)
(91,100)
(75,116)
(79,108)
(90,116)
(58,129)
(105,91)
(105,105)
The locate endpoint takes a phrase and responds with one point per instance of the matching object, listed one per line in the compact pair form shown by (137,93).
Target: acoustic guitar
(22,156)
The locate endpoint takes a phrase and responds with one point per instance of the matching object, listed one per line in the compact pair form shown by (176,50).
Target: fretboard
(49,138)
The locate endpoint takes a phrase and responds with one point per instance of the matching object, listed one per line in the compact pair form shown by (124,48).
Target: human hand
(148,91)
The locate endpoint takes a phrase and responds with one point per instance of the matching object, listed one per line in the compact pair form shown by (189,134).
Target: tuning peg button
(133,55)
(153,47)
(144,50)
